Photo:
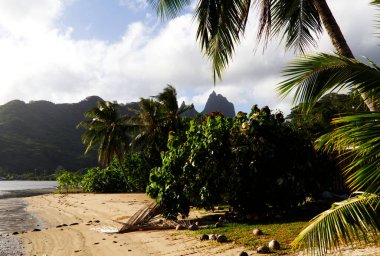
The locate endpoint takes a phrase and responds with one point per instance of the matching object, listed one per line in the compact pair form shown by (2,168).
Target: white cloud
(134,4)
(39,61)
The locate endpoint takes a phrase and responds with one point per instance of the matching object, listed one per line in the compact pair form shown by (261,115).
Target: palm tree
(356,139)
(169,103)
(156,117)
(221,24)
(108,130)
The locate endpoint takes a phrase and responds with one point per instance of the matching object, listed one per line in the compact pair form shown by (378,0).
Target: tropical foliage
(221,24)
(253,162)
(108,179)
(107,130)
(69,181)
(317,121)
(155,118)
(355,138)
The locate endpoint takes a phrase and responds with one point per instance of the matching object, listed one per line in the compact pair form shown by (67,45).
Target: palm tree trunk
(122,170)
(339,42)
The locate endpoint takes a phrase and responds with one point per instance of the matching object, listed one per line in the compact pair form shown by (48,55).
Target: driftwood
(147,219)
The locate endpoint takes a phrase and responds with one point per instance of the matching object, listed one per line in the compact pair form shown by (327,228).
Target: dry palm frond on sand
(147,218)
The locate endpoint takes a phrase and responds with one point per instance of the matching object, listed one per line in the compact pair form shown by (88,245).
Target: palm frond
(220,26)
(347,222)
(311,76)
(298,21)
(168,8)
(357,140)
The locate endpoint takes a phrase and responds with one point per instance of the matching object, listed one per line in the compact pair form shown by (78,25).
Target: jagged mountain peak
(219,103)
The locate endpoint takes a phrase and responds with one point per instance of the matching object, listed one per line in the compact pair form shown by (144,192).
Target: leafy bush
(111,178)
(69,181)
(193,173)
(254,162)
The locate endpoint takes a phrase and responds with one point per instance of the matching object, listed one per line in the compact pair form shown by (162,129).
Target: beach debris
(74,224)
(221,239)
(36,230)
(180,227)
(203,237)
(64,225)
(274,245)
(263,249)
(243,254)
(97,221)
(58,226)
(212,237)
(147,218)
(115,242)
(257,232)
(193,227)
(15,233)
(96,243)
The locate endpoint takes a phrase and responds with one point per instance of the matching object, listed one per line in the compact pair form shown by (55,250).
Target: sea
(13,214)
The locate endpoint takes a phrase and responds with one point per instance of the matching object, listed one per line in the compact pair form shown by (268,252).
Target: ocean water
(11,185)
(13,214)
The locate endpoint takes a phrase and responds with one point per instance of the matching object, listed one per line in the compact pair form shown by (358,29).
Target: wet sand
(15,218)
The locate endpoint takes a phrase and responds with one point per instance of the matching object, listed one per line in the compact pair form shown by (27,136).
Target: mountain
(219,103)
(190,112)
(42,136)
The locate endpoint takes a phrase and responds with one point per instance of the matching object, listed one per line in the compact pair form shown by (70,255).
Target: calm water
(8,185)
(13,214)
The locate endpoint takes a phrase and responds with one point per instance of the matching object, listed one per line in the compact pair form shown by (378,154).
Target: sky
(66,50)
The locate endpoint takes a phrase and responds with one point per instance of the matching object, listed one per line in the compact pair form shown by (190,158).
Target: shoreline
(15,218)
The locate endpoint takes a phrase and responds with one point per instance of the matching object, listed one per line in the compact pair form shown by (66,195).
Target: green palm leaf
(346,222)
(297,21)
(107,130)
(312,76)
(169,8)
(220,25)
(357,139)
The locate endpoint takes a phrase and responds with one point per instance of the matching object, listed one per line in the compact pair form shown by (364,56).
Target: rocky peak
(219,103)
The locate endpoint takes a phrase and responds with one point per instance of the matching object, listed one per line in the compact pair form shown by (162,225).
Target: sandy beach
(71,224)
(84,213)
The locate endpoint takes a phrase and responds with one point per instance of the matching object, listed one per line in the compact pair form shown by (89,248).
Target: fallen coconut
(212,237)
(203,237)
(221,239)
(257,232)
(274,245)
(263,249)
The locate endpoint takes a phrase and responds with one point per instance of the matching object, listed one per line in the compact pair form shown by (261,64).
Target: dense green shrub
(254,162)
(69,181)
(111,178)
(271,165)
(193,173)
